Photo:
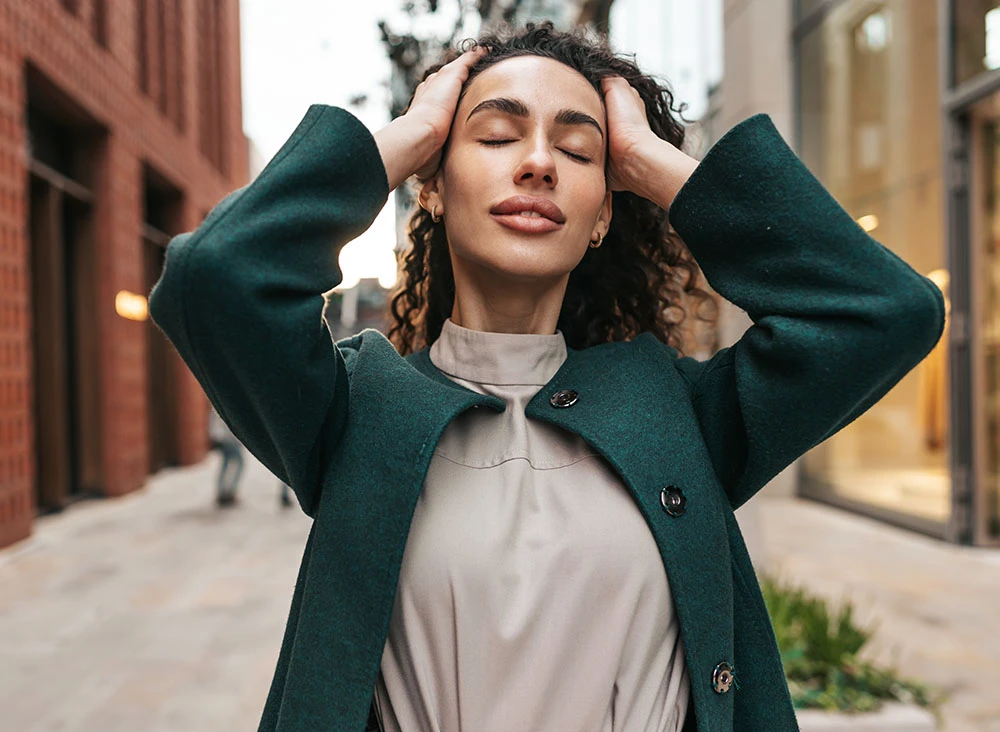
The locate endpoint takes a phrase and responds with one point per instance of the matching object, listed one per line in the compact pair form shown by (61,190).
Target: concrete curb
(890,718)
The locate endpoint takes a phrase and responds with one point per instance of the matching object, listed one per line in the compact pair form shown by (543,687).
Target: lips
(529,214)
(530,205)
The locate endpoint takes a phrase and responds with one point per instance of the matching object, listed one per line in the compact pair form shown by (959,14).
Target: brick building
(120,125)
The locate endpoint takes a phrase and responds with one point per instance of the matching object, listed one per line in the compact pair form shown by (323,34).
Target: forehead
(541,83)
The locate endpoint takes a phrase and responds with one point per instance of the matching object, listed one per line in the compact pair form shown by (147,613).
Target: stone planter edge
(893,717)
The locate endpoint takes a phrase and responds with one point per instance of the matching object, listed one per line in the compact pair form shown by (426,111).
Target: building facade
(895,106)
(120,126)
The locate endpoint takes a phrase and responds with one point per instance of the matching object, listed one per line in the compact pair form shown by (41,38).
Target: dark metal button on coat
(564,398)
(673,501)
(723,678)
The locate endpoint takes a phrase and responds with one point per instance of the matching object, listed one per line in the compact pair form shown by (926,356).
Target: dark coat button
(673,501)
(723,678)
(564,398)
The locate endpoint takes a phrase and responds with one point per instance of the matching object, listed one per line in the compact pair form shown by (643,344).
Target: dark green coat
(352,426)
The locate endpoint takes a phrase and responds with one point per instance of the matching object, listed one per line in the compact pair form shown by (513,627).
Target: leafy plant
(820,649)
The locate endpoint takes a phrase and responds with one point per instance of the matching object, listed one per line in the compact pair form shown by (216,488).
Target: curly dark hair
(640,280)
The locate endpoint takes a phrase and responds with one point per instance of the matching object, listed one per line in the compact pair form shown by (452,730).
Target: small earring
(434,214)
(597,244)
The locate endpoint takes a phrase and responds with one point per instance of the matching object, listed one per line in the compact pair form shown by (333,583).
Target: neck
(488,301)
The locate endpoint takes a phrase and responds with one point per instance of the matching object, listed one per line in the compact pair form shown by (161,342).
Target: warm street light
(131,306)
(868,223)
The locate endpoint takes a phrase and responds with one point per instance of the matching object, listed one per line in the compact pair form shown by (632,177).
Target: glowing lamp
(868,223)
(131,306)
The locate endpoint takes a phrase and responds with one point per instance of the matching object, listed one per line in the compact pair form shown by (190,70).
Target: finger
(466,60)
(618,85)
(626,101)
(609,83)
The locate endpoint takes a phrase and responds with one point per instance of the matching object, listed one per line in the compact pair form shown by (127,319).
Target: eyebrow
(517,108)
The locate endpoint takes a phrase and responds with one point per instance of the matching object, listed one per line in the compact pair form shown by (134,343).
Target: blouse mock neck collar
(497,358)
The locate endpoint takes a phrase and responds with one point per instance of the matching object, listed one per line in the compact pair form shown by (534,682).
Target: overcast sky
(301,52)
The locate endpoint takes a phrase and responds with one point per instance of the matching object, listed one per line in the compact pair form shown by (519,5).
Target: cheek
(587,197)
(468,183)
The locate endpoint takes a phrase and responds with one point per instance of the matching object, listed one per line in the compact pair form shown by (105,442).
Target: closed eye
(575,156)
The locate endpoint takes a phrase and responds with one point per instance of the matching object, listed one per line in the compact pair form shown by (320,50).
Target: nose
(538,165)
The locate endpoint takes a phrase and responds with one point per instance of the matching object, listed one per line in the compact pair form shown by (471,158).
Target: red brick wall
(105,83)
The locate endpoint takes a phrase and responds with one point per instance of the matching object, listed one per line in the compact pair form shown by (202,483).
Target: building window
(160,62)
(99,21)
(180,69)
(210,82)
(872,35)
(976,38)
(163,204)
(64,153)
(870,130)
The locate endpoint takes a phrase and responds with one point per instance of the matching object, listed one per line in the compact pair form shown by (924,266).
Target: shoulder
(369,345)
(643,351)
(641,364)
(647,357)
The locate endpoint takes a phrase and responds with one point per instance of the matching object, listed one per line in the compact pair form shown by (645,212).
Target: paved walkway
(156,612)
(153,612)
(936,606)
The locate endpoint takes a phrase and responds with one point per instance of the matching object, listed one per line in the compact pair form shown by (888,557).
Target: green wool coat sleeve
(241,298)
(838,319)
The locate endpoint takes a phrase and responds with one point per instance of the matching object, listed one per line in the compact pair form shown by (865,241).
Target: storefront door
(982,125)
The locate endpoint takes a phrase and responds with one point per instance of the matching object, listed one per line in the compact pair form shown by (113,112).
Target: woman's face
(522,186)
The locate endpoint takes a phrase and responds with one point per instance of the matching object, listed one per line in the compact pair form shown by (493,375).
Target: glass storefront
(870,129)
(977,38)
(984,122)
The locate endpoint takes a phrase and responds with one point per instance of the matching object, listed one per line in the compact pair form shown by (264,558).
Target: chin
(527,266)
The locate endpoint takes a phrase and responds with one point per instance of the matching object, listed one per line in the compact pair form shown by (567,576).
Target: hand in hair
(412,143)
(638,160)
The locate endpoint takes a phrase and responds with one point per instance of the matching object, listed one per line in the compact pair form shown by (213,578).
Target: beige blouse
(532,596)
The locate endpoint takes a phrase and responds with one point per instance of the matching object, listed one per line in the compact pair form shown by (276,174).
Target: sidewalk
(153,612)
(936,605)
(157,612)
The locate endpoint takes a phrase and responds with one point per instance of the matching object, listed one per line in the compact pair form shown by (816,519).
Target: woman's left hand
(640,161)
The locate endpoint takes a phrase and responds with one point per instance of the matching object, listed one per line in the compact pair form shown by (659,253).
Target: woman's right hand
(412,143)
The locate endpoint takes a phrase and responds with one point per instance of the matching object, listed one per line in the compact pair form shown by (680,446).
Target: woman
(527,524)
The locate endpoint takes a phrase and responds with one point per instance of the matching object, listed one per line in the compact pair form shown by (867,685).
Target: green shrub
(820,651)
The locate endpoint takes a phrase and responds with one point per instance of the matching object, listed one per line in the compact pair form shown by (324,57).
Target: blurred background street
(130,600)
(155,612)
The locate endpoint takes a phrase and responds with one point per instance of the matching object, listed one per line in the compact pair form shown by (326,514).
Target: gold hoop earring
(597,244)
(434,214)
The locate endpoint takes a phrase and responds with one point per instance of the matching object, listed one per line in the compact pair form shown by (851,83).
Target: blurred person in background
(221,438)
(523,499)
